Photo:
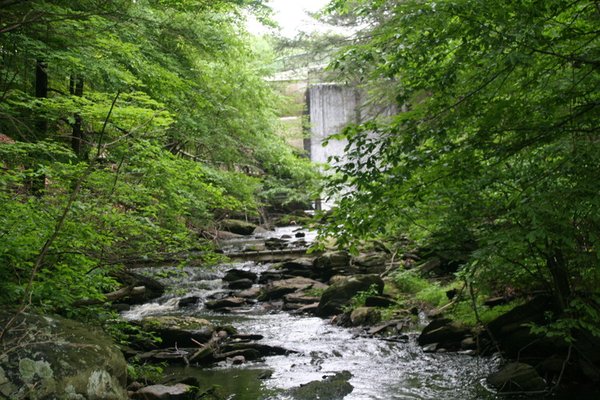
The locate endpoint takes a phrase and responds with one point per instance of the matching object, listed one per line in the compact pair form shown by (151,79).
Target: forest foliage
(493,157)
(128,128)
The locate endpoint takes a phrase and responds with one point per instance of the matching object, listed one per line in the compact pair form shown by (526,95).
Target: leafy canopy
(494,157)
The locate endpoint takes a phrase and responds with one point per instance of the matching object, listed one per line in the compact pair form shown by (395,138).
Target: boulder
(445,332)
(370,263)
(308,309)
(226,303)
(512,332)
(269,276)
(517,377)
(275,244)
(334,387)
(278,289)
(250,293)
(331,263)
(365,316)
(179,331)
(238,227)
(152,288)
(171,355)
(341,292)
(300,298)
(379,301)
(238,360)
(162,392)
(188,301)
(299,267)
(240,284)
(233,275)
(259,230)
(224,235)
(59,358)
(263,350)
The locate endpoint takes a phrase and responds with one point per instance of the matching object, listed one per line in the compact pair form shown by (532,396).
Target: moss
(330,388)
(409,282)
(463,312)
(6,387)
(31,370)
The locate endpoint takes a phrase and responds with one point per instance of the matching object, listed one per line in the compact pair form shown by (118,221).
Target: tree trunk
(38,183)
(560,278)
(77,139)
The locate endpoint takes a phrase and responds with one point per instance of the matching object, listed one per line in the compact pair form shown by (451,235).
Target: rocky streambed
(278,323)
(263,330)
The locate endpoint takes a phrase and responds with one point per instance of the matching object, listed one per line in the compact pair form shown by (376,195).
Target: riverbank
(249,329)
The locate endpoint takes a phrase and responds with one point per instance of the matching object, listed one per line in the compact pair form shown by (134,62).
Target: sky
(291,16)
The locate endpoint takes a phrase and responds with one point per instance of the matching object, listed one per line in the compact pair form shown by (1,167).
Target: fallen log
(126,291)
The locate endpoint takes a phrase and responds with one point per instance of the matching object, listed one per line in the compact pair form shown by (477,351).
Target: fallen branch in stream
(113,296)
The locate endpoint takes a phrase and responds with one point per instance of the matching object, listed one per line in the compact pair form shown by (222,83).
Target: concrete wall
(331,107)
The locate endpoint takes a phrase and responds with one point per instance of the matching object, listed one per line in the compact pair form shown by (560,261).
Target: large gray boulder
(183,331)
(334,387)
(333,263)
(179,391)
(517,377)
(341,292)
(50,357)
(238,227)
(446,333)
(278,289)
(370,263)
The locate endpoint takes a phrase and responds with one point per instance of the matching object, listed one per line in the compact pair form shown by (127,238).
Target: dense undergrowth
(128,129)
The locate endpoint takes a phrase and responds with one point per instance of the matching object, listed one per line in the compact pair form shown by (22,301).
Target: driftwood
(122,293)
(206,350)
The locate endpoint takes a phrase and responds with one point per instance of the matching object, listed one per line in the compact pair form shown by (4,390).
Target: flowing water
(381,370)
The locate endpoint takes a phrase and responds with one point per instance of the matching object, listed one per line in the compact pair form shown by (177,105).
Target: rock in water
(240,284)
(445,332)
(180,331)
(234,274)
(334,387)
(162,392)
(237,226)
(59,358)
(365,316)
(517,377)
(278,289)
(342,291)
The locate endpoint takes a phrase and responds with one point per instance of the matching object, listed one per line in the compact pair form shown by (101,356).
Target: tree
(138,120)
(494,159)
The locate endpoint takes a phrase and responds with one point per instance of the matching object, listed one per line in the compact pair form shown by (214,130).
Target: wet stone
(188,301)
(251,293)
(233,275)
(330,388)
(229,302)
(379,301)
(240,284)
(517,377)
(162,392)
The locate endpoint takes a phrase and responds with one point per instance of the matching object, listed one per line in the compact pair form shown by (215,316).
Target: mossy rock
(183,331)
(60,359)
(341,292)
(334,387)
(238,227)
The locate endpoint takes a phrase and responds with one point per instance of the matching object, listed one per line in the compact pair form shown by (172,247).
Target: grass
(412,288)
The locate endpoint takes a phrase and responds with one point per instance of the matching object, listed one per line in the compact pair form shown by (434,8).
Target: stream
(381,370)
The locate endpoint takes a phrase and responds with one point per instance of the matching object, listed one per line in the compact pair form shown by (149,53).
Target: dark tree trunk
(560,278)
(77,139)
(38,183)
(41,92)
